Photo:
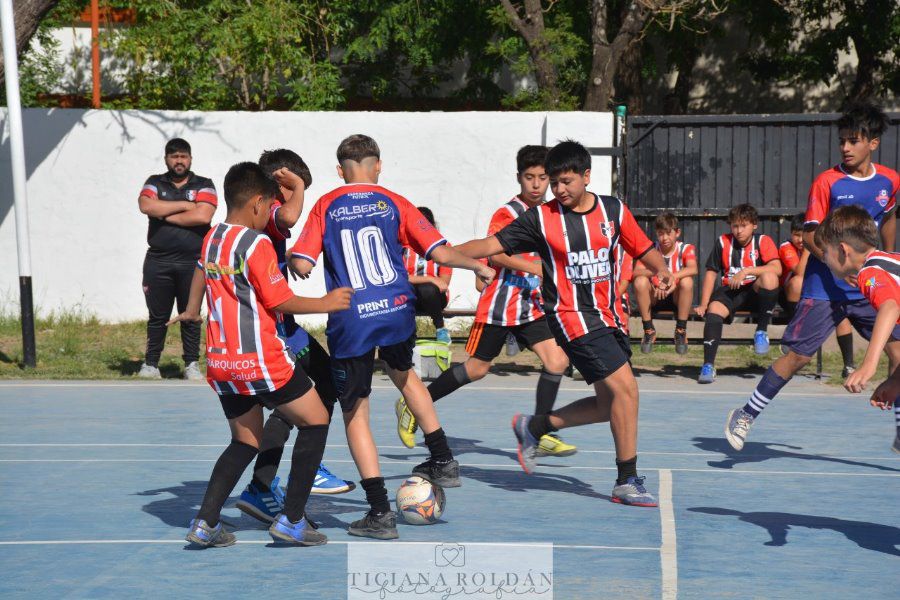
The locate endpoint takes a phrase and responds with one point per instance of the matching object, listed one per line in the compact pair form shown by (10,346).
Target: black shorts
(236,405)
(486,340)
(353,376)
(667,303)
(598,354)
(743,298)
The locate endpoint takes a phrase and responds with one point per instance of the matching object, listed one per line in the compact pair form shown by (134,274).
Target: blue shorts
(814,320)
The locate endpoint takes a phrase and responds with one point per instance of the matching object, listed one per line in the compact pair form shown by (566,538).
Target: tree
(27,15)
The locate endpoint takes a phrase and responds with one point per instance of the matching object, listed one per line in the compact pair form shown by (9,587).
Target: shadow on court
(870,536)
(184,500)
(516,481)
(756,452)
(459,446)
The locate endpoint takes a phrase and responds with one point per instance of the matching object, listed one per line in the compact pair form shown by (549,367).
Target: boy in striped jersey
(826,300)
(849,240)
(578,236)
(248,365)
(511,305)
(431,283)
(682,259)
(748,265)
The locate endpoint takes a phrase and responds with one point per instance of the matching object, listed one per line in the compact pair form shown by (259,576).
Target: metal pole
(17,155)
(95,51)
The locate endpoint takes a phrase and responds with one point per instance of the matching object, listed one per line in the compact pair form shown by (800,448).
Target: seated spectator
(431,284)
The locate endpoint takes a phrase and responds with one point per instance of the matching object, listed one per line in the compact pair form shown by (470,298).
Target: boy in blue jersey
(825,300)
(361,228)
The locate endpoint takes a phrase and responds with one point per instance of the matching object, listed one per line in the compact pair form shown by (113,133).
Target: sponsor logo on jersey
(274,273)
(588,266)
(401,300)
(608,229)
(216,270)
(882,198)
(871,282)
(191,195)
(352,212)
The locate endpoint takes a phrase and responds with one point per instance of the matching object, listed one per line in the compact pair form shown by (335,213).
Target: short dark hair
(272,160)
(566,156)
(849,224)
(245,180)
(666,221)
(357,148)
(426,212)
(530,156)
(177,145)
(798,221)
(864,118)
(743,212)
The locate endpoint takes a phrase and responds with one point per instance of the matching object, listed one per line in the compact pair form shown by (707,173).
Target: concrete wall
(85,169)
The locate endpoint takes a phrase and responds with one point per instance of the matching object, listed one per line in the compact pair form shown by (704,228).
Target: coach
(180,206)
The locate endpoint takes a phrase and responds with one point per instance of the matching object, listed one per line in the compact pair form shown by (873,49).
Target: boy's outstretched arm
(195,299)
(888,313)
(517,263)
(336,300)
(481,248)
(654,261)
(452,257)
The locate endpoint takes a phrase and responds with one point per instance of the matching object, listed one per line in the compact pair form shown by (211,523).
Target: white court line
(556,470)
(330,542)
(705,394)
(668,553)
(459,449)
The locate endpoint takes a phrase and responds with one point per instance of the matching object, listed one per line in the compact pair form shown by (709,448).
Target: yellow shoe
(551,445)
(406,423)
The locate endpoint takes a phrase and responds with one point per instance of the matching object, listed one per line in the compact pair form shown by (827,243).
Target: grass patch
(74,344)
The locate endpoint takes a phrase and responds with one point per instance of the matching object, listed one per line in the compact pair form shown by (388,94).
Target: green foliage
(40,69)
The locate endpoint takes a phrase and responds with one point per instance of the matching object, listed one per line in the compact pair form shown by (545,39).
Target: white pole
(17,154)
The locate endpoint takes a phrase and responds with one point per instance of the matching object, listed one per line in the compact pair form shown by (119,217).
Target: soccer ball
(419,502)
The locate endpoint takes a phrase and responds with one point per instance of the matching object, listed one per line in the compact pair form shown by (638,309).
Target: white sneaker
(737,427)
(192,372)
(148,372)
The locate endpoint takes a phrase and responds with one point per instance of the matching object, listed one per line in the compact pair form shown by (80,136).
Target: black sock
(540,425)
(681,324)
(271,447)
(438,446)
(225,475)
(547,387)
(376,494)
(767,300)
(648,325)
(627,468)
(712,335)
(308,451)
(845,343)
(448,382)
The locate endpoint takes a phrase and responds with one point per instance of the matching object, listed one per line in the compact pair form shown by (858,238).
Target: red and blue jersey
(879,278)
(361,229)
(834,188)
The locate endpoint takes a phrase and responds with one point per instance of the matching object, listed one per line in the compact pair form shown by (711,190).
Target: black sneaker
(648,341)
(442,474)
(381,526)
(681,341)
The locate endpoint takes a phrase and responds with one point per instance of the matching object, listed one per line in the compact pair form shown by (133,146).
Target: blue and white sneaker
(203,535)
(633,493)
(528,445)
(761,342)
(327,482)
(443,335)
(707,374)
(301,533)
(737,427)
(264,506)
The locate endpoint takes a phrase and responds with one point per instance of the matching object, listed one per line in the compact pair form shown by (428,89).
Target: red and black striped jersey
(677,259)
(244,354)
(580,261)
(729,258)
(514,297)
(879,278)
(790,258)
(417,265)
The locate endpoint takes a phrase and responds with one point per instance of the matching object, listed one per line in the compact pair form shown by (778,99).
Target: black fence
(700,166)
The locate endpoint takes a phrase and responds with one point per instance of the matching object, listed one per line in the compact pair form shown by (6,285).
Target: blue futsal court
(100,481)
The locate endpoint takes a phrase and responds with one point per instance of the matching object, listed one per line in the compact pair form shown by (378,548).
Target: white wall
(85,169)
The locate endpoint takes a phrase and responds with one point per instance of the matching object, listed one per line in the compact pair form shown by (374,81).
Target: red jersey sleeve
(631,236)
(819,200)
(877,286)
(309,243)
(207,194)
(499,220)
(789,257)
(415,230)
(150,190)
(272,229)
(768,251)
(688,254)
(264,275)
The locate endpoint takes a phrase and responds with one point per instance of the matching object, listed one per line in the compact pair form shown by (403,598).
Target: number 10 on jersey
(367,259)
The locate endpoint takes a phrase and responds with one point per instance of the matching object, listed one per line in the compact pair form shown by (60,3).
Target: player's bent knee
(717,308)
(641,283)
